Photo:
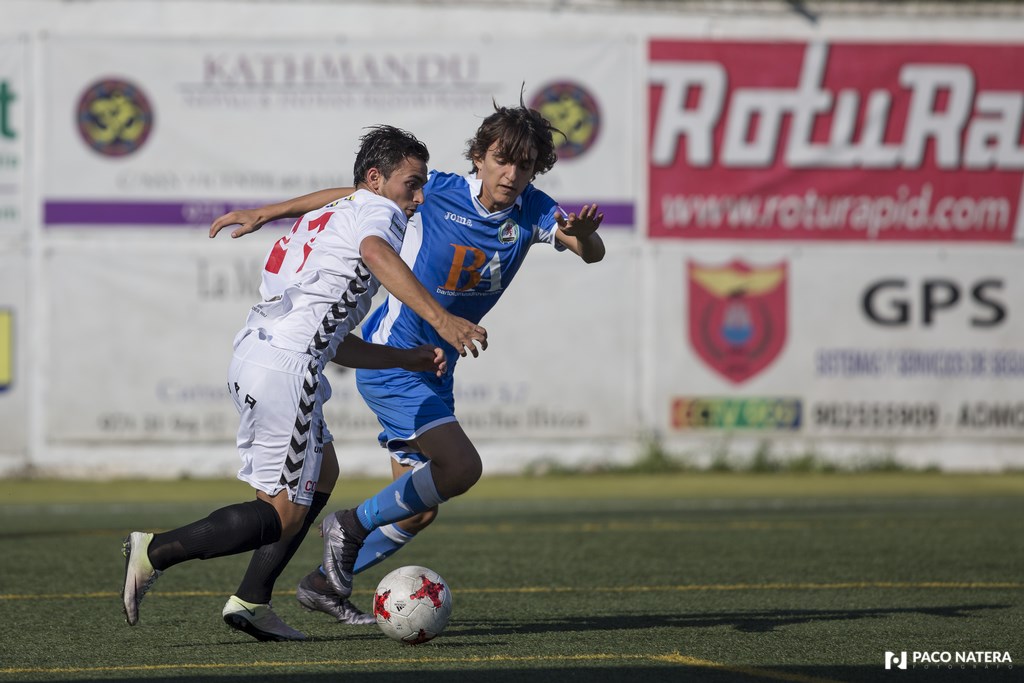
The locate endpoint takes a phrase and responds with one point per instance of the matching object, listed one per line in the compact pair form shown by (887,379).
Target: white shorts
(279,396)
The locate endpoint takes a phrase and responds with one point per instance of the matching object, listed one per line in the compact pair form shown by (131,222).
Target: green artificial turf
(592,578)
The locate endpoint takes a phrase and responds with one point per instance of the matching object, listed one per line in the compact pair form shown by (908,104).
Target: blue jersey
(464,255)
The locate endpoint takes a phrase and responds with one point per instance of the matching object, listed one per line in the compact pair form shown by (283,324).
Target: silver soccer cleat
(139,574)
(341,547)
(341,609)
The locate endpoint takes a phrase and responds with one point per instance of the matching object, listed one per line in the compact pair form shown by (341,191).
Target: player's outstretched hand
(426,358)
(463,335)
(583,224)
(247,220)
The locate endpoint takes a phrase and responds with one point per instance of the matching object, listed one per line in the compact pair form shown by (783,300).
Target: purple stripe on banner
(203,212)
(615,215)
(187,213)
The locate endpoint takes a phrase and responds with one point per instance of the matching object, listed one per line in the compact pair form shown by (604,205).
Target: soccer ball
(412,605)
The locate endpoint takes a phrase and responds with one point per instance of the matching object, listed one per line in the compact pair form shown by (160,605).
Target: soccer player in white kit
(466,244)
(317,285)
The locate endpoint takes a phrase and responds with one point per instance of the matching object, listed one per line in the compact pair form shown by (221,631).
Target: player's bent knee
(469,474)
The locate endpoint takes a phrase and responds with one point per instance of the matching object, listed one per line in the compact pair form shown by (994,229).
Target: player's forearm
(353,352)
(396,277)
(591,248)
(295,207)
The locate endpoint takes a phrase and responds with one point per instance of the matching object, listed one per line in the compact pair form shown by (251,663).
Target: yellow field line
(654,526)
(849,585)
(753,672)
(734,525)
(672,658)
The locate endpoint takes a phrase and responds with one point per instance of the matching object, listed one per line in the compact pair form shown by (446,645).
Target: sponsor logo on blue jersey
(449,216)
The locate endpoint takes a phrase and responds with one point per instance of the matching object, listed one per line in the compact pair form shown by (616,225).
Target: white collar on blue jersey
(475,184)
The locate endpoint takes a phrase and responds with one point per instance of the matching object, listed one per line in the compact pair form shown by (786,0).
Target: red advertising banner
(840,141)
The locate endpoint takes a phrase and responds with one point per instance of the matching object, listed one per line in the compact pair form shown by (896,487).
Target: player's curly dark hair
(385,148)
(517,130)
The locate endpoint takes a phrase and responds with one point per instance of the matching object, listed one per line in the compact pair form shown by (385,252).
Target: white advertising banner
(14,90)
(906,342)
(150,363)
(13,360)
(156,324)
(173,133)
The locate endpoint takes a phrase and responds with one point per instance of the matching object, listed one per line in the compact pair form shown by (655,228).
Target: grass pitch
(590,578)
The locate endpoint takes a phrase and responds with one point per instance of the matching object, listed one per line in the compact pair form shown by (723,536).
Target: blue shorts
(407,404)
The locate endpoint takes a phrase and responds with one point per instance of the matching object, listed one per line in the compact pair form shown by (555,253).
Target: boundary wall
(814,223)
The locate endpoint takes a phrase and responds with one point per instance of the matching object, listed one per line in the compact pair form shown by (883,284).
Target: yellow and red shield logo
(738,316)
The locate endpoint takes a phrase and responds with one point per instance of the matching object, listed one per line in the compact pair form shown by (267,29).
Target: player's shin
(269,561)
(227,531)
(380,545)
(412,493)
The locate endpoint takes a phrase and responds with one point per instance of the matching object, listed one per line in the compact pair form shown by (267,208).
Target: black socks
(227,531)
(269,561)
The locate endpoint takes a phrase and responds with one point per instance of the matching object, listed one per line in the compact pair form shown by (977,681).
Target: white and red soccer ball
(412,604)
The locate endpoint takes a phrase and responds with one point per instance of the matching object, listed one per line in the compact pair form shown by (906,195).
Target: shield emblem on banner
(738,316)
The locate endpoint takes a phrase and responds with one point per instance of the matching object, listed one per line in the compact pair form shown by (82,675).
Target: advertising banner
(174,133)
(881,141)
(14,95)
(157,324)
(13,360)
(903,343)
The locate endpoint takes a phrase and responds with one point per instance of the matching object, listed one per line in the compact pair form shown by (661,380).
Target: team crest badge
(508,232)
(738,316)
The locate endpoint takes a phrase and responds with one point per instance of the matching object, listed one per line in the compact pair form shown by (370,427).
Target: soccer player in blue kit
(465,244)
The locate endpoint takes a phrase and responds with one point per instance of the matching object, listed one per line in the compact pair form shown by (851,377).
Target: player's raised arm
(578,232)
(399,280)
(251,220)
(353,352)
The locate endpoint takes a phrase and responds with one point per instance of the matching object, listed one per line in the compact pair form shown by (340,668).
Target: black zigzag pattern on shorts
(321,340)
(293,462)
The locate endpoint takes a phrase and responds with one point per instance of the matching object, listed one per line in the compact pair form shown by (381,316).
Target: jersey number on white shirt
(283,245)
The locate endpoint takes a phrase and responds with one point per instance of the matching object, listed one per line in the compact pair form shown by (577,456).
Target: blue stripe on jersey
(465,257)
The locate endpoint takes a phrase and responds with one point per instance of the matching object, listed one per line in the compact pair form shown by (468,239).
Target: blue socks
(411,493)
(406,496)
(381,544)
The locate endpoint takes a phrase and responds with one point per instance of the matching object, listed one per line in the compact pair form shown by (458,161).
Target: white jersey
(316,288)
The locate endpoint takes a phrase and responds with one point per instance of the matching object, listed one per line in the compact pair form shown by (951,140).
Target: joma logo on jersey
(470,268)
(449,216)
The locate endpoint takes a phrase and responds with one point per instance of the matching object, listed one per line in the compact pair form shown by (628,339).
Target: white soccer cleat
(259,621)
(341,609)
(139,574)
